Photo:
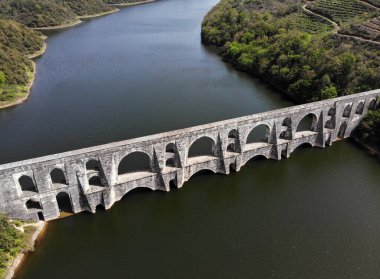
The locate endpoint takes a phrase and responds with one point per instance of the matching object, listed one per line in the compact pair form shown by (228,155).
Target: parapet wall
(89,177)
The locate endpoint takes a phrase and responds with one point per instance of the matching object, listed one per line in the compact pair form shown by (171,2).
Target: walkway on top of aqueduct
(89,177)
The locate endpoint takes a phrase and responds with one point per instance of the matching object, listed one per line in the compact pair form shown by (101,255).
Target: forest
(18,41)
(13,240)
(296,50)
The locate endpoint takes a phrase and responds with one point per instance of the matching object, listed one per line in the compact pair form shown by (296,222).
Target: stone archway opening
(41,216)
(307,124)
(95,181)
(303,146)
(360,108)
(232,148)
(286,129)
(93,165)
(27,184)
(135,193)
(135,162)
(201,173)
(33,205)
(232,167)
(233,141)
(258,135)
(171,148)
(64,203)
(173,185)
(170,163)
(58,177)
(342,130)
(203,146)
(347,111)
(372,104)
(255,159)
(136,165)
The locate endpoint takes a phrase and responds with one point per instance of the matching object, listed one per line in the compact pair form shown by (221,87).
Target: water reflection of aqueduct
(86,178)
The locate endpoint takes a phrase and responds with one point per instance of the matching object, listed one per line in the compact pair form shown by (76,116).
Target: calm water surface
(142,71)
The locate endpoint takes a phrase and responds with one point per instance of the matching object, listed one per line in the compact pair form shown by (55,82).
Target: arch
(259,133)
(171,148)
(33,204)
(100,207)
(307,123)
(40,216)
(173,184)
(64,202)
(203,146)
(93,164)
(329,124)
(137,191)
(232,167)
(170,163)
(286,129)
(58,176)
(372,104)
(342,130)
(233,134)
(255,158)
(303,146)
(347,111)
(360,108)
(27,184)
(204,171)
(331,112)
(135,162)
(232,148)
(95,181)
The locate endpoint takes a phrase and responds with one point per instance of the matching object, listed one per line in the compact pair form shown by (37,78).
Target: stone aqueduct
(91,177)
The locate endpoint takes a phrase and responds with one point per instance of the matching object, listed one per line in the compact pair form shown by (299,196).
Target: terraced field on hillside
(343,11)
(359,19)
(373,2)
(369,30)
(309,23)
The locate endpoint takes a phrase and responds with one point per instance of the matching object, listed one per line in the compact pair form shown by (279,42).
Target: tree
(2,78)
(329,92)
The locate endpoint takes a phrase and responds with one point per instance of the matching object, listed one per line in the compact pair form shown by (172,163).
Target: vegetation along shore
(309,50)
(16,238)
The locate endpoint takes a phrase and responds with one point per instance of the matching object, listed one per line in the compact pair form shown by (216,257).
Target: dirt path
(337,27)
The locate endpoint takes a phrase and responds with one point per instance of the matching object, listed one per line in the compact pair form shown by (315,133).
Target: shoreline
(99,14)
(28,86)
(371,149)
(19,100)
(38,53)
(25,96)
(62,26)
(19,259)
(133,3)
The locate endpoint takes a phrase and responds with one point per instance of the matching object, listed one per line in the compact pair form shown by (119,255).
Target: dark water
(141,71)
(133,73)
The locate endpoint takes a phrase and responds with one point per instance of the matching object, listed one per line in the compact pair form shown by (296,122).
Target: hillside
(124,2)
(16,70)
(50,13)
(37,13)
(291,48)
(310,51)
(88,7)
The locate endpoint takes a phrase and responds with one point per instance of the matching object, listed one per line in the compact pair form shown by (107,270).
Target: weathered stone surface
(331,119)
